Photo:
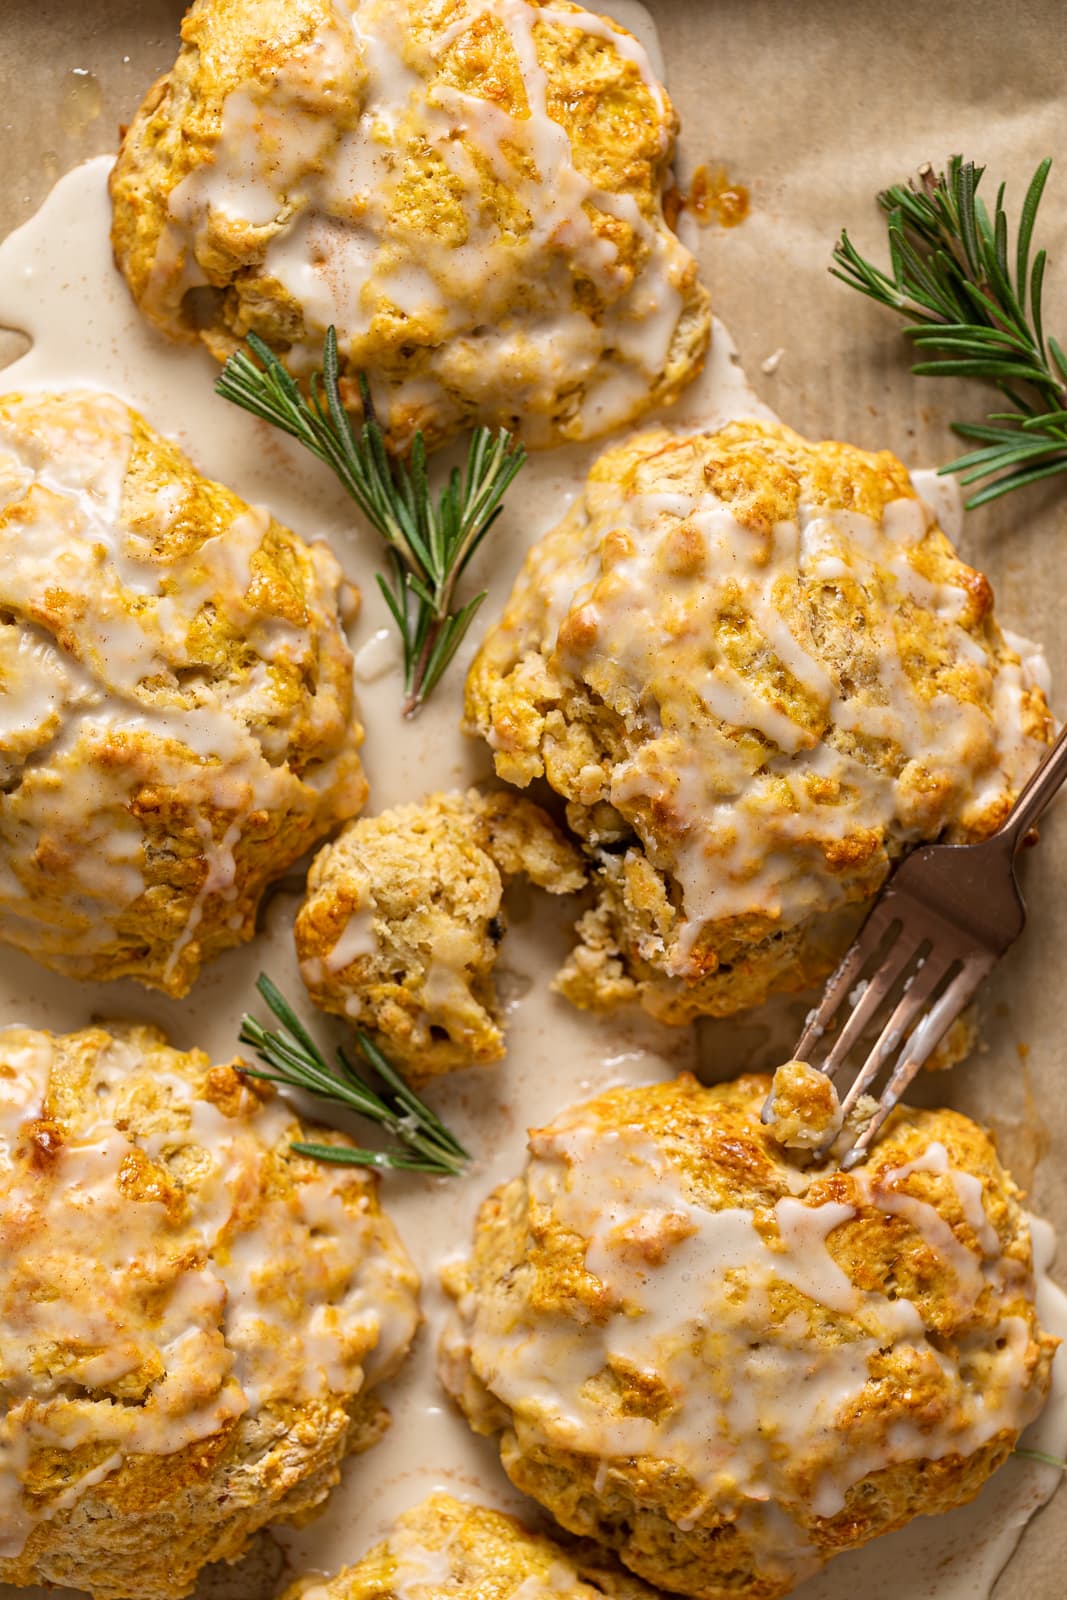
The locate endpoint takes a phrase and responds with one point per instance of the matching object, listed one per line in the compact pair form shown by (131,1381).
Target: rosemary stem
(1042,1456)
(429,542)
(973,303)
(413,700)
(424,1143)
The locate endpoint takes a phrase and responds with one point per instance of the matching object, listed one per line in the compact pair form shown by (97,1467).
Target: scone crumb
(404,917)
(803,1110)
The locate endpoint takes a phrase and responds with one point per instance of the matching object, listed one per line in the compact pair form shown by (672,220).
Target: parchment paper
(813,106)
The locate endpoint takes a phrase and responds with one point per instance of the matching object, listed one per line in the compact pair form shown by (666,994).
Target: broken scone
(757,672)
(403,921)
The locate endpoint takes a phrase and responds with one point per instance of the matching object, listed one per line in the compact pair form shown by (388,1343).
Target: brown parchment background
(814,105)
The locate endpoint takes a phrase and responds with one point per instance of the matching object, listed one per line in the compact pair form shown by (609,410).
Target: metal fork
(939,926)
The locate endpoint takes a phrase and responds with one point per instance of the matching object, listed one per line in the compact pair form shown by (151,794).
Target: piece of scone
(177,722)
(803,1110)
(757,671)
(445,1548)
(193,1318)
(471,194)
(727,1370)
(403,920)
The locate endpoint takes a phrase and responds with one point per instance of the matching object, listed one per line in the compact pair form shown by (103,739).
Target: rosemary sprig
(1040,1455)
(429,544)
(294,1059)
(973,301)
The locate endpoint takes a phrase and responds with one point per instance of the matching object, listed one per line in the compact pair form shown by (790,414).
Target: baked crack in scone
(193,1318)
(729,1370)
(404,916)
(177,723)
(758,672)
(471,192)
(443,1549)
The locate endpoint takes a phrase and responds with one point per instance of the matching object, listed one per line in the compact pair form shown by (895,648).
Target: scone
(177,722)
(471,194)
(728,1370)
(758,672)
(443,1549)
(403,921)
(193,1318)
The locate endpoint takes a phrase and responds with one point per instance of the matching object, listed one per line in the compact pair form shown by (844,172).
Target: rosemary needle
(974,307)
(1042,1456)
(294,1059)
(430,543)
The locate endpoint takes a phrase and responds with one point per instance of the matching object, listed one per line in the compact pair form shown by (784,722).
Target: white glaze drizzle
(241,1299)
(357,938)
(691,1299)
(115,663)
(748,834)
(506,324)
(418,1568)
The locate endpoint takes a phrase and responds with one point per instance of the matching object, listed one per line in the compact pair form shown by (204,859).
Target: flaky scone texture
(178,721)
(193,1318)
(445,1548)
(728,1369)
(404,916)
(471,193)
(757,671)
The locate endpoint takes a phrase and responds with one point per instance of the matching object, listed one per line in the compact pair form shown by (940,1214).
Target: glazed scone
(727,1370)
(177,723)
(193,1318)
(444,1548)
(757,672)
(403,920)
(471,194)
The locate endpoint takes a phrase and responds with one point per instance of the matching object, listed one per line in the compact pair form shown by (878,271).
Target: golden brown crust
(404,918)
(444,1547)
(757,672)
(195,1319)
(183,723)
(723,1367)
(485,256)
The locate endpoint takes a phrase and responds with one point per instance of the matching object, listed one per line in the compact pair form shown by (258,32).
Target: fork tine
(913,1001)
(894,964)
(924,1040)
(838,985)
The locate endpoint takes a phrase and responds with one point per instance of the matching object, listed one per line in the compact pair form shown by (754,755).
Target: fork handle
(1038,791)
